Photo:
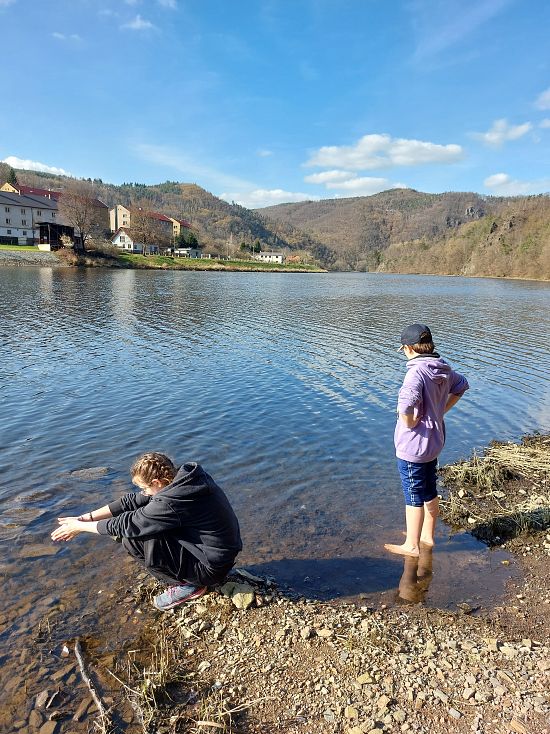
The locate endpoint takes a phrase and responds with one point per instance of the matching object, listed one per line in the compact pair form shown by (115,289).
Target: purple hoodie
(427,385)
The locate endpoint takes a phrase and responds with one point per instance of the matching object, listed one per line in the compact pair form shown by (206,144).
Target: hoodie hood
(190,481)
(432,367)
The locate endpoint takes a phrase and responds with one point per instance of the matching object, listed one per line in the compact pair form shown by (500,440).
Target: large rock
(242,595)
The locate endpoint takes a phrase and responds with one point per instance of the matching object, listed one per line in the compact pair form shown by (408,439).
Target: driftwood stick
(86,678)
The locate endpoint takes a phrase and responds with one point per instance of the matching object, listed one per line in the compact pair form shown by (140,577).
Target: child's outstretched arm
(69,527)
(102,513)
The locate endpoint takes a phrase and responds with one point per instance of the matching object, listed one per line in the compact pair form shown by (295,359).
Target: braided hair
(153,465)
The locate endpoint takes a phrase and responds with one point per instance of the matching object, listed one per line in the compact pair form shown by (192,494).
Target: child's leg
(412,480)
(431,512)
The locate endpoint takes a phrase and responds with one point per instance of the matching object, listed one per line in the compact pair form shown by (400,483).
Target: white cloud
(326,177)
(139,24)
(259,198)
(502,184)
(29,165)
(264,153)
(171,4)
(545,123)
(501,131)
(543,100)
(66,37)
(383,151)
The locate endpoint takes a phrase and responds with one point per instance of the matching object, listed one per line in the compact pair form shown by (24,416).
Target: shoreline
(251,658)
(13,258)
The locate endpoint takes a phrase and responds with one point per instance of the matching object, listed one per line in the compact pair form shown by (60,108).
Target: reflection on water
(283,386)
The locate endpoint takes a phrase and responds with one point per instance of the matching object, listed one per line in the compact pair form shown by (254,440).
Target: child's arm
(452,400)
(103,513)
(410,420)
(69,527)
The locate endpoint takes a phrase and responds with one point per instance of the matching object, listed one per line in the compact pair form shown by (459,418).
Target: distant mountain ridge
(400,230)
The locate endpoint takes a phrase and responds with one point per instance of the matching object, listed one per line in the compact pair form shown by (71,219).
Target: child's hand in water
(68,528)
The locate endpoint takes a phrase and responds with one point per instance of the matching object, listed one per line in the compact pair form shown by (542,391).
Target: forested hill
(360,228)
(213,219)
(407,231)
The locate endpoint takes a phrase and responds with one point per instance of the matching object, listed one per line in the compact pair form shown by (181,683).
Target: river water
(283,386)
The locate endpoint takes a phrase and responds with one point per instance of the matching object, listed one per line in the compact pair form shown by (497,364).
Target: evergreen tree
(12,177)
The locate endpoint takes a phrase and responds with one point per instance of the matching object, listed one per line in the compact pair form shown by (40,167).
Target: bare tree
(80,209)
(146,229)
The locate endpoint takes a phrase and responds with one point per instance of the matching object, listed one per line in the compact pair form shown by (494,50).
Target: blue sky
(265,101)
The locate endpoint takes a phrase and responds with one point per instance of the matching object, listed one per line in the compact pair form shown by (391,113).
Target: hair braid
(152,466)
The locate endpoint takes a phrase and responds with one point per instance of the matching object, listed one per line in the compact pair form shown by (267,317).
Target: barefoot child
(181,527)
(429,390)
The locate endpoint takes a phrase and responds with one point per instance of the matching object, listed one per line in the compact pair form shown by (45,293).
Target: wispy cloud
(501,131)
(186,165)
(7,3)
(545,124)
(264,153)
(542,102)
(258,198)
(66,36)
(29,165)
(502,184)
(383,151)
(351,184)
(139,24)
(440,25)
(171,4)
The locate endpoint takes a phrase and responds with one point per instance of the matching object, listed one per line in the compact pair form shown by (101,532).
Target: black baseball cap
(415,334)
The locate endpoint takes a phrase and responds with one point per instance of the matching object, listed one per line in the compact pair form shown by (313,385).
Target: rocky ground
(27,257)
(250,659)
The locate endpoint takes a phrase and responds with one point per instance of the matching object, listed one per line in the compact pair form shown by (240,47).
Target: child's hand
(68,528)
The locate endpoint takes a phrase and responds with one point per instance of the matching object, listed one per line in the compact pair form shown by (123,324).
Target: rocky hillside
(359,229)
(514,243)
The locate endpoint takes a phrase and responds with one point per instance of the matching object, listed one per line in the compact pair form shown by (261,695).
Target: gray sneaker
(175,595)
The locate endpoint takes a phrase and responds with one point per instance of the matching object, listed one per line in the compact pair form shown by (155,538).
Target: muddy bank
(252,658)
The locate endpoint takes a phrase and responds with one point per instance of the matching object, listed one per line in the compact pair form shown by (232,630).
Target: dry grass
(503,493)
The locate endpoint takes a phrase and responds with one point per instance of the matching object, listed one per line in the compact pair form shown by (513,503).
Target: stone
(305,633)
(242,595)
(48,728)
(468,693)
(441,696)
(329,716)
(355,730)
(383,702)
(364,679)
(325,632)
(399,715)
(81,710)
(35,719)
(41,699)
(518,726)
(350,712)
(454,713)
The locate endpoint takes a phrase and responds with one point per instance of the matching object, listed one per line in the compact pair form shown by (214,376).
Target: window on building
(24,233)
(6,208)
(122,238)
(8,221)
(23,211)
(24,222)
(8,231)
(53,215)
(39,212)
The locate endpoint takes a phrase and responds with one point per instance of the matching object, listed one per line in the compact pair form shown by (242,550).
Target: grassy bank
(165,262)
(19,248)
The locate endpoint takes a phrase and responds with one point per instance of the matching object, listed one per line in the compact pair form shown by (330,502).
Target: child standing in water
(430,388)
(181,527)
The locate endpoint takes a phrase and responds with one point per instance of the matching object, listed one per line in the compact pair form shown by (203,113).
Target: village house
(30,216)
(120,216)
(270,257)
(123,239)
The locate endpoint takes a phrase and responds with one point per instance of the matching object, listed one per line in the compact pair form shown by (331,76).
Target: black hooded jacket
(191,515)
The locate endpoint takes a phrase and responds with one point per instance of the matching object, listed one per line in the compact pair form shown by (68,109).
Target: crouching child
(180,527)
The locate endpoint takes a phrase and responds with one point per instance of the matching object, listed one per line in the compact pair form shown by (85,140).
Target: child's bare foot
(424,541)
(403,550)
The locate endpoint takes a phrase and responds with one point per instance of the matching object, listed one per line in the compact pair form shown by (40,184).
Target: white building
(123,240)
(188,252)
(21,217)
(270,257)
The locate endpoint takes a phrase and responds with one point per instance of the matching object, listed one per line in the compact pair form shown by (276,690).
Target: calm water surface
(282,386)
